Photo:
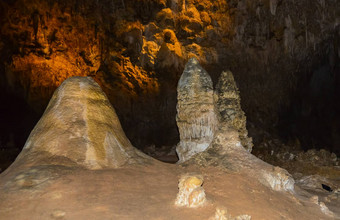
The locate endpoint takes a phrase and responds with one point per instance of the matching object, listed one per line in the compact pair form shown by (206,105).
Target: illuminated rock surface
(213,137)
(79,128)
(278,51)
(196,117)
(191,193)
(136,51)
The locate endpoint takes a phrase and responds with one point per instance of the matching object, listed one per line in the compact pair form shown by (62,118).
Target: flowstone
(227,144)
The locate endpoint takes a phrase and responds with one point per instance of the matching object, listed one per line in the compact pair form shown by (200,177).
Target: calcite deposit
(196,117)
(136,50)
(223,147)
(228,104)
(78,164)
(191,193)
(79,128)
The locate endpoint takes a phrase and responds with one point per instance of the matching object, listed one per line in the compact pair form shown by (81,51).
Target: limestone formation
(216,137)
(226,151)
(79,128)
(229,107)
(191,193)
(196,117)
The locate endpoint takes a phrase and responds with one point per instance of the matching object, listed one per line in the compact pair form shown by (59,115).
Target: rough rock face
(223,147)
(79,128)
(229,106)
(196,117)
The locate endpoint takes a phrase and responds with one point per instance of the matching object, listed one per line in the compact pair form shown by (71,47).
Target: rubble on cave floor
(315,171)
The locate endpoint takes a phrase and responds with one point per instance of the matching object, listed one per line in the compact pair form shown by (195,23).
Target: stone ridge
(81,127)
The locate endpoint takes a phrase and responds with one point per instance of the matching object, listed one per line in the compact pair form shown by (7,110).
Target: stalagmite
(212,129)
(79,128)
(229,106)
(196,117)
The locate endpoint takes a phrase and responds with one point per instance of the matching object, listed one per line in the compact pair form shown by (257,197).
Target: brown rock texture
(79,128)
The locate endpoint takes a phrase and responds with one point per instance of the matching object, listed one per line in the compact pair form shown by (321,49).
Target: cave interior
(284,60)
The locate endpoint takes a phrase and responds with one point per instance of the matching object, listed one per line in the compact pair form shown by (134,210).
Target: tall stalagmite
(229,106)
(212,128)
(196,117)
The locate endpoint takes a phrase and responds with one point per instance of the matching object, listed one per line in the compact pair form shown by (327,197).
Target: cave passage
(313,118)
(17,120)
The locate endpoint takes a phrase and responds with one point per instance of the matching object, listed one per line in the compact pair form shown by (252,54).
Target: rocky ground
(149,192)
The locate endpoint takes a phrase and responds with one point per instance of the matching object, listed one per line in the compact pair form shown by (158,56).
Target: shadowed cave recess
(284,56)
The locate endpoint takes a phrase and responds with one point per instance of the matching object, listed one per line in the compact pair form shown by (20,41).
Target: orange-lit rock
(170,53)
(116,42)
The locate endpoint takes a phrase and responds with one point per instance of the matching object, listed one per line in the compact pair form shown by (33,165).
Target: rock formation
(79,128)
(191,193)
(222,214)
(196,117)
(229,106)
(136,50)
(65,171)
(223,146)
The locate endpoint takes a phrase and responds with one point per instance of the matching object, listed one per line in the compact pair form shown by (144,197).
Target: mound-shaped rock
(79,128)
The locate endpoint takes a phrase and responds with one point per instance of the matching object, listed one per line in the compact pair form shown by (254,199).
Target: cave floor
(144,192)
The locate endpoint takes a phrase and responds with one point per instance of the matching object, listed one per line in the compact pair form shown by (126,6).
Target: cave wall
(136,51)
